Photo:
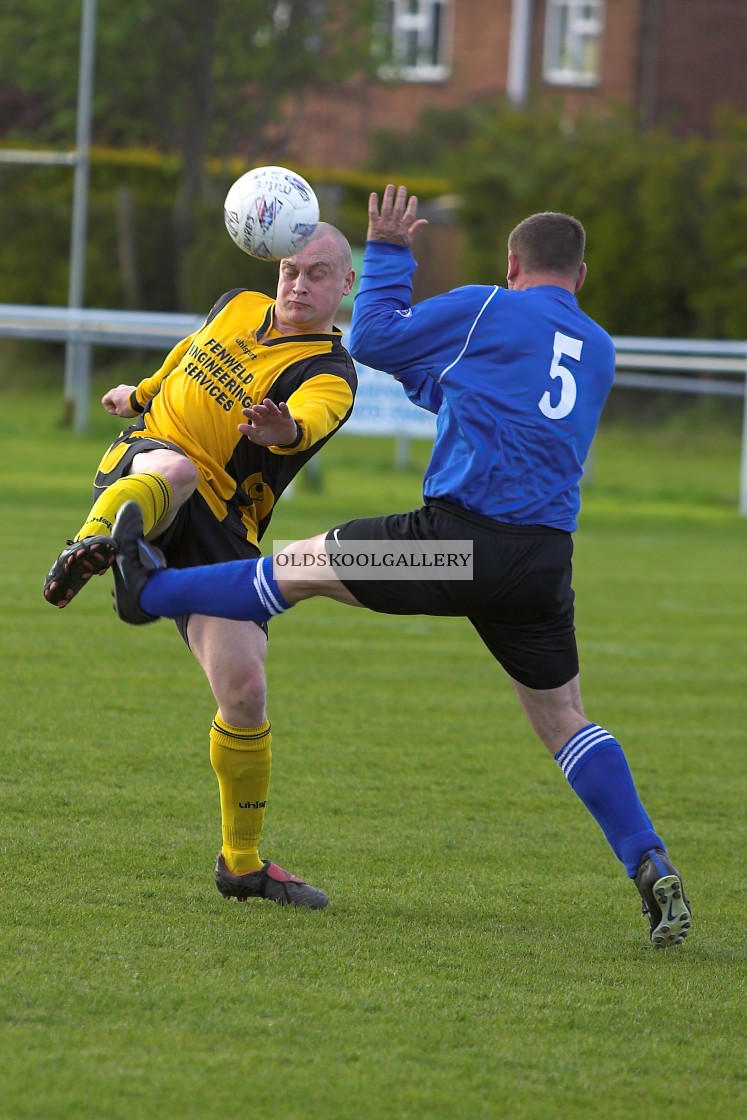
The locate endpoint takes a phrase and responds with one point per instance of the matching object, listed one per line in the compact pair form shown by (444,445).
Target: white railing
(677,365)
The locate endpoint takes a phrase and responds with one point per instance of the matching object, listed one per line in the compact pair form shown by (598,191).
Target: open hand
(396,221)
(269,424)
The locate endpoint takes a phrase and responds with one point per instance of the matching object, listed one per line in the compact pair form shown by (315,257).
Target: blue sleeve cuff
(388,247)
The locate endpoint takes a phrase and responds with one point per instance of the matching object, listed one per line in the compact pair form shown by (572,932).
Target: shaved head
(338,240)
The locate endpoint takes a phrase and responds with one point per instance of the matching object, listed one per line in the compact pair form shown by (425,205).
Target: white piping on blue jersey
(469,335)
(263,589)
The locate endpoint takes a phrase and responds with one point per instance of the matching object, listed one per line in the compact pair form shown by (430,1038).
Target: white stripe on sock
(577,741)
(579,745)
(265,592)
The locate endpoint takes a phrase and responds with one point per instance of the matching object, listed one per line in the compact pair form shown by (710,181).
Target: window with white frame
(414,40)
(573,42)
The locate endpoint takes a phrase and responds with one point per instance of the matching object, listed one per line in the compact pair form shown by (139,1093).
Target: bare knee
(555,714)
(242,696)
(303,571)
(180,472)
(183,477)
(232,656)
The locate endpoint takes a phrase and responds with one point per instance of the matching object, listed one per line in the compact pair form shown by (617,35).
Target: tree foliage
(199,77)
(164,69)
(666,219)
(198,81)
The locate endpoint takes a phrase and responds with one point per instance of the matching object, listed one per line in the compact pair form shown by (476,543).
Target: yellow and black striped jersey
(236,359)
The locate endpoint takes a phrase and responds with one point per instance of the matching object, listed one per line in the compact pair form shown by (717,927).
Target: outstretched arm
(386,331)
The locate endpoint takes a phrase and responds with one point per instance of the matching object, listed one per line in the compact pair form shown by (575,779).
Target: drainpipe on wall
(519,52)
(649,47)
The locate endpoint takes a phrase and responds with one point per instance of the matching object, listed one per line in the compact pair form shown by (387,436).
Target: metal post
(743,473)
(77,353)
(402,451)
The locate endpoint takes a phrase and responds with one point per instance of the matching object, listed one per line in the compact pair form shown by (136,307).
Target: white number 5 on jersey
(563,345)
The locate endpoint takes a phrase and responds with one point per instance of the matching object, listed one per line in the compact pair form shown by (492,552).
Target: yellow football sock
(242,760)
(151,492)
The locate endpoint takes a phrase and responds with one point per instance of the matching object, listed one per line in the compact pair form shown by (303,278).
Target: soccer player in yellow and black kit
(222,427)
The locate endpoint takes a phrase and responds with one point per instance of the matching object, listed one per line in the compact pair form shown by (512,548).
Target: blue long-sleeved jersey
(518,380)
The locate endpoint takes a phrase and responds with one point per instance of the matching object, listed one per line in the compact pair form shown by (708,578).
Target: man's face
(311,285)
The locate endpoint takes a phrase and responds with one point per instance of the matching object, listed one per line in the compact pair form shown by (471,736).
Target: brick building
(673,61)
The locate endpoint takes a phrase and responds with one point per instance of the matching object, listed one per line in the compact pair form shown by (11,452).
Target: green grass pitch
(483,954)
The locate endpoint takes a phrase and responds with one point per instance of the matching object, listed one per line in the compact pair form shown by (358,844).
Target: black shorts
(118,458)
(520,599)
(195,536)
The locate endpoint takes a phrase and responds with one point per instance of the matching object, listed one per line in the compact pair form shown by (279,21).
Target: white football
(271,213)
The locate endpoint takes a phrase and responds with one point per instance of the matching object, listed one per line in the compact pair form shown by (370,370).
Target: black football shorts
(520,599)
(195,536)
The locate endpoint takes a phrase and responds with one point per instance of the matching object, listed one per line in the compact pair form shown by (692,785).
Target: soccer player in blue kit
(517,377)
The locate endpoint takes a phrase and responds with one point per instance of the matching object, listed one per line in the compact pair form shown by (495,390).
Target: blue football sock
(239,589)
(594,764)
